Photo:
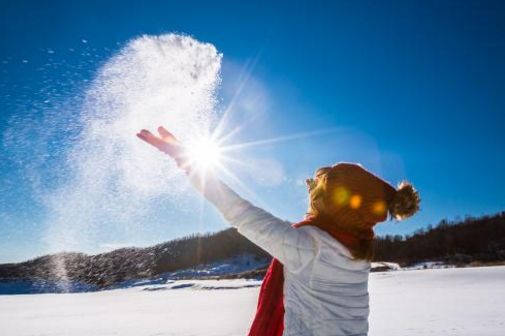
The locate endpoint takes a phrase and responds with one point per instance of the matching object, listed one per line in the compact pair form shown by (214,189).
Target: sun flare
(205,153)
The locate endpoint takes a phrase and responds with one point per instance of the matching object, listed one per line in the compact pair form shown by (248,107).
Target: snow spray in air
(115,180)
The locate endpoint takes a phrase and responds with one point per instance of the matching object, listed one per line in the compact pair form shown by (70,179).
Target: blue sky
(413,90)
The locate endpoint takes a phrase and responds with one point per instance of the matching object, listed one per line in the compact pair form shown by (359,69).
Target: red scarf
(269,319)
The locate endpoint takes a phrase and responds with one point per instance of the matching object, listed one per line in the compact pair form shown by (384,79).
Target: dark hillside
(460,242)
(473,240)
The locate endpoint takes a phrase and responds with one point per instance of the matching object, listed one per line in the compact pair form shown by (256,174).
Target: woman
(317,283)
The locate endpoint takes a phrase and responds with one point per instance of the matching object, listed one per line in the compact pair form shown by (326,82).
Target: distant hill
(472,240)
(106,269)
(461,242)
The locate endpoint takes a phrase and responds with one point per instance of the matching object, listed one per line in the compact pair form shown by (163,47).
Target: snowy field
(468,301)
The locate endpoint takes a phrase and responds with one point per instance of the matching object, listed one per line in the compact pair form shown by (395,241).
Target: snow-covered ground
(469,301)
(453,301)
(428,264)
(389,266)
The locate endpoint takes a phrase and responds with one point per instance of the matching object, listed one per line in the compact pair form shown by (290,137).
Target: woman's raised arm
(294,248)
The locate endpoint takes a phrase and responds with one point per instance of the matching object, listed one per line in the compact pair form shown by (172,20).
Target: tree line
(460,242)
(464,241)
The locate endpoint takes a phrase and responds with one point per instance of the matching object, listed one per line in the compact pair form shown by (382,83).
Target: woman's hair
(356,200)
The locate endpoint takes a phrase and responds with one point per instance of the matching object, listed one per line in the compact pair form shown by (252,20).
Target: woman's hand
(167,143)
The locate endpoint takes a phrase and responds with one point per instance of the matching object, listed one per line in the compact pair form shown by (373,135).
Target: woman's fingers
(167,145)
(143,134)
(154,141)
(166,135)
(147,137)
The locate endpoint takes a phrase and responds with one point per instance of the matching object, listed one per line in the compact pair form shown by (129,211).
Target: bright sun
(204,153)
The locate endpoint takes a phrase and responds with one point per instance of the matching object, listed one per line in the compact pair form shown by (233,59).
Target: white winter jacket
(325,289)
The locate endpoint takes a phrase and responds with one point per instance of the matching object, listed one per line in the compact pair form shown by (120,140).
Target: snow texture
(469,301)
(388,265)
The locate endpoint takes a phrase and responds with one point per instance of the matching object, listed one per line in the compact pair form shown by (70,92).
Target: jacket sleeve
(294,248)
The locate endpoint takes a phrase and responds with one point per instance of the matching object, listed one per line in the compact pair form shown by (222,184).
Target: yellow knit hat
(357,199)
